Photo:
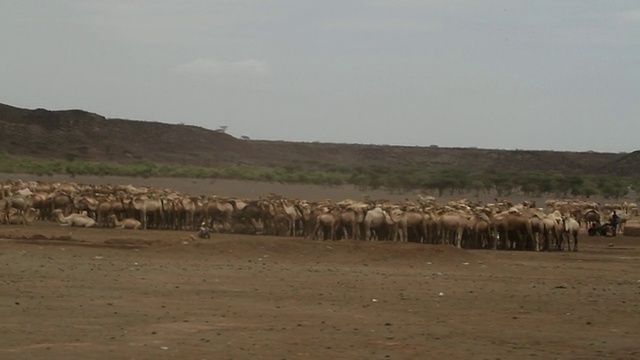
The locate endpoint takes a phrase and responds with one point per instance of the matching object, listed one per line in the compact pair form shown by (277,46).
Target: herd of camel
(500,225)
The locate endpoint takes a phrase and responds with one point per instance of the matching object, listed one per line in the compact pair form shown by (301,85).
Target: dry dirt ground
(70,293)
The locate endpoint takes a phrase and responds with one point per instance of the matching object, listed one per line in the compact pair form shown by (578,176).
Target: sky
(512,74)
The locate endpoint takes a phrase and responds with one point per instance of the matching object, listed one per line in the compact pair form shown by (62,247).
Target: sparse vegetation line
(366,176)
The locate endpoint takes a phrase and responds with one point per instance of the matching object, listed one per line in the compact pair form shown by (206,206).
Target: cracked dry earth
(123,294)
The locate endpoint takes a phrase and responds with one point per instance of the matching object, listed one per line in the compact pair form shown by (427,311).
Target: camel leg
(459,234)
(315,232)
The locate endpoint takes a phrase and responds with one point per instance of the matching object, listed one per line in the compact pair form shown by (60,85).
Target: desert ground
(75,293)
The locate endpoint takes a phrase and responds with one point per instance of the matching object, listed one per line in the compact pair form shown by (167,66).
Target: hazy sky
(534,74)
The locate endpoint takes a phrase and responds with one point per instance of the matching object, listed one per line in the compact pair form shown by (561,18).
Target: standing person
(614,223)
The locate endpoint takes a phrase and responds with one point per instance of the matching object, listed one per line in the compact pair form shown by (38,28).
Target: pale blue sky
(535,74)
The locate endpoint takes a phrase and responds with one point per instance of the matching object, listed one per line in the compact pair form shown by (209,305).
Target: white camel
(79,220)
(571,228)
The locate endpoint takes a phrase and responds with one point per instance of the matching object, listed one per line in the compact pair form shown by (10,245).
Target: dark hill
(77,134)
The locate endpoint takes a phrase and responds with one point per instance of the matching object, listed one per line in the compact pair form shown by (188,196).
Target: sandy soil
(71,293)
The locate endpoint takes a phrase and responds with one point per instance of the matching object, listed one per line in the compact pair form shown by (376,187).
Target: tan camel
(18,218)
(21,203)
(288,208)
(170,209)
(349,223)
(511,221)
(146,206)
(452,226)
(188,205)
(482,231)
(220,210)
(551,231)
(79,220)
(305,210)
(128,223)
(415,221)
(40,204)
(328,222)
(105,208)
(82,203)
(61,201)
(541,227)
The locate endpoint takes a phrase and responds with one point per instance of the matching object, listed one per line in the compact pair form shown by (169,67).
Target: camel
(306,217)
(590,217)
(18,218)
(253,214)
(381,222)
(483,232)
(128,223)
(61,201)
(349,223)
(571,228)
(623,216)
(510,221)
(171,210)
(289,209)
(40,204)
(482,229)
(188,205)
(3,207)
(553,229)
(103,209)
(86,203)
(328,222)
(542,226)
(147,207)
(430,226)
(632,209)
(21,203)
(218,210)
(79,220)
(413,220)
(452,226)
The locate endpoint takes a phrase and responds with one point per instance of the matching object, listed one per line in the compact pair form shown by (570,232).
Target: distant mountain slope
(78,134)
